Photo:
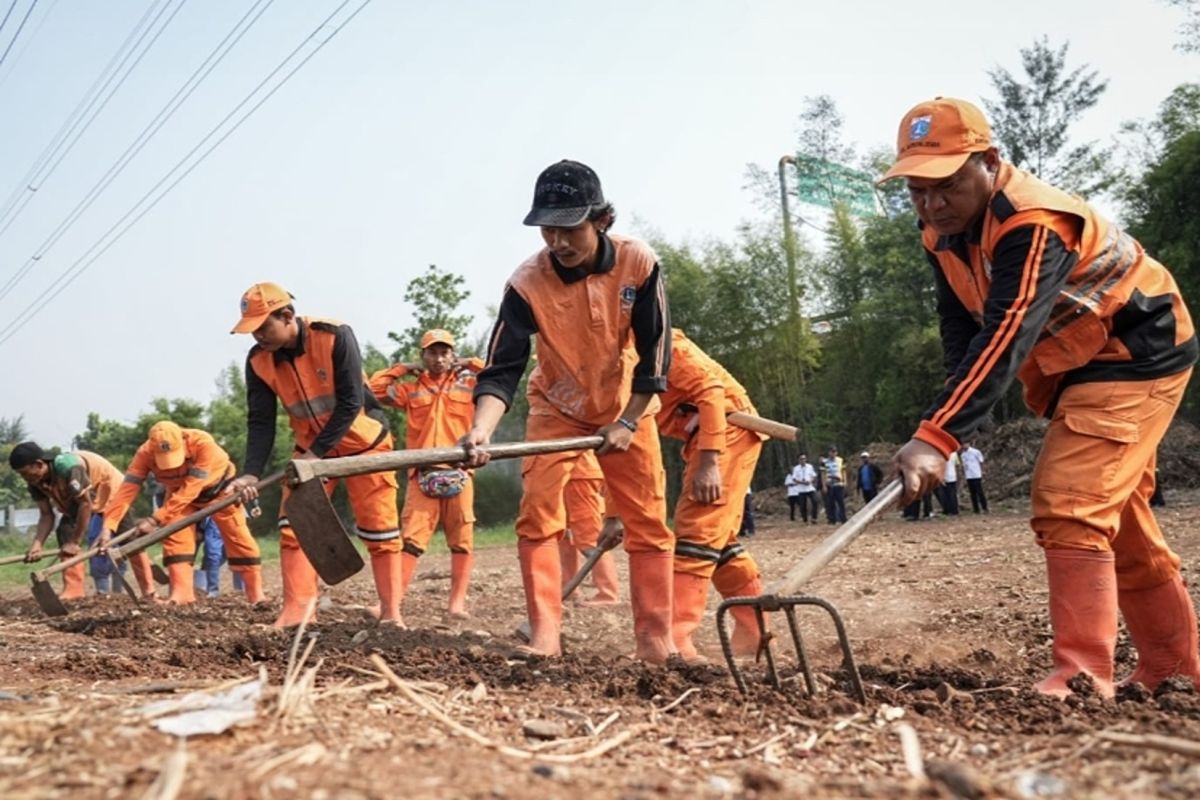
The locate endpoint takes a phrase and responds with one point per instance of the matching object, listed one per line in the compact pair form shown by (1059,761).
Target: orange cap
(257,304)
(166,440)
(437,336)
(937,137)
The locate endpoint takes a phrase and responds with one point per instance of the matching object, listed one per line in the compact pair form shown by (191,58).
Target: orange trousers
(373,500)
(584,500)
(1095,475)
(704,530)
(634,479)
(240,545)
(422,514)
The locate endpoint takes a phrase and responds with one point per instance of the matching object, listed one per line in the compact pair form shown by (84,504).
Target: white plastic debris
(204,713)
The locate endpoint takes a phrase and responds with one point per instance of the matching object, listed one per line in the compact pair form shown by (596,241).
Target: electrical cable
(133,215)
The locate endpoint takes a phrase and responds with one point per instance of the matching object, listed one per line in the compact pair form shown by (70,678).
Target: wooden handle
(158,534)
(82,556)
(836,542)
(302,470)
(19,558)
(776,430)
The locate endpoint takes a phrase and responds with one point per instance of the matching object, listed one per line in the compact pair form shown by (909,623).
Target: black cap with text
(565,194)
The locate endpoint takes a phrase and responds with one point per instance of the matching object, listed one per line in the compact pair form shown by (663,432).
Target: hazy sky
(415,136)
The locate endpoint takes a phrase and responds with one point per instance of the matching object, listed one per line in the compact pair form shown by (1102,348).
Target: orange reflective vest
(1048,290)
(305,386)
(700,392)
(439,410)
(205,470)
(586,348)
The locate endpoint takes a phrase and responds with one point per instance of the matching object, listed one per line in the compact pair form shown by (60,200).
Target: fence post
(10,520)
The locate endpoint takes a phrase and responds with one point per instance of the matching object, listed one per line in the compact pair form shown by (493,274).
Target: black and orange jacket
(323,389)
(700,392)
(205,471)
(1045,289)
(602,335)
(440,409)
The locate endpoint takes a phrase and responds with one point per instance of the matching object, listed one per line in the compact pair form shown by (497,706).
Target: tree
(435,297)
(1031,121)
(12,485)
(1189,31)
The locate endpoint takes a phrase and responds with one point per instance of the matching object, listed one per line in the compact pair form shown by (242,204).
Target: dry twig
(1153,741)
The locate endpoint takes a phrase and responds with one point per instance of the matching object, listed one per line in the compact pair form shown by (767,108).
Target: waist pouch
(441,482)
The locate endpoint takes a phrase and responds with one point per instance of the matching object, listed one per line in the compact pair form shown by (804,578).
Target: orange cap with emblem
(937,137)
(437,336)
(257,304)
(166,440)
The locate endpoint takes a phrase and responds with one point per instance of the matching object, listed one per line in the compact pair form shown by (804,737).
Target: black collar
(606,259)
(290,353)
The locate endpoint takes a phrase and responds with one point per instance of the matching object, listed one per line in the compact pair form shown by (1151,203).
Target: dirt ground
(947,620)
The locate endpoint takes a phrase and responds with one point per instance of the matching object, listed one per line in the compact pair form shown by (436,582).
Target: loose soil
(946,617)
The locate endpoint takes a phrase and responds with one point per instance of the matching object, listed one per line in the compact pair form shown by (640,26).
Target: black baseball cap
(564,195)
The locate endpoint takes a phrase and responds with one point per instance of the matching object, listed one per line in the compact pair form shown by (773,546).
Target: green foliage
(1189,30)
(12,485)
(497,492)
(1031,120)
(435,297)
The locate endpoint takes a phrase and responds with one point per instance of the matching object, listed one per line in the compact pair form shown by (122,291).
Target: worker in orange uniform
(595,300)
(583,497)
(438,400)
(719,462)
(314,367)
(1033,283)
(195,471)
(79,485)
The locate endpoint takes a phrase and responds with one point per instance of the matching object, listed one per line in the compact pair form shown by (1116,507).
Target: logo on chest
(628,295)
(322,375)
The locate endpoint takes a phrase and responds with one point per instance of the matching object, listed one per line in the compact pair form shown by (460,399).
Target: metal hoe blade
(159,574)
(320,533)
(47,598)
(116,568)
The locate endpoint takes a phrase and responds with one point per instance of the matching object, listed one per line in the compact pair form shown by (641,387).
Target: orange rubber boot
(388,568)
(746,634)
(460,579)
(687,609)
(73,588)
(299,588)
(1162,625)
(140,562)
(568,558)
(651,589)
(604,576)
(1083,614)
(540,568)
(252,584)
(183,589)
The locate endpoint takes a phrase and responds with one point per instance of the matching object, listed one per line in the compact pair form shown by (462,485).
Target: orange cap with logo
(166,440)
(437,336)
(257,304)
(937,137)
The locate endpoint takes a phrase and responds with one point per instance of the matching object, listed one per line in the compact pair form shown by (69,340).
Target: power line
(12,65)
(20,28)
(91,109)
(134,215)
(7,14)
(257,9)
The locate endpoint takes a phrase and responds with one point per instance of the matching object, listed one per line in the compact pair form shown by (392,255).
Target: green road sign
(823,183)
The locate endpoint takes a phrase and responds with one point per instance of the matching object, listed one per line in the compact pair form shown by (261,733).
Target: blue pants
(101,567)
(208,577)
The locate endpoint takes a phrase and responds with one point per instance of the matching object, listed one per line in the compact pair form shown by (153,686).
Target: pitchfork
(781,596)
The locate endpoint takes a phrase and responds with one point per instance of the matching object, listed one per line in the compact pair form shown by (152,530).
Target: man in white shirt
(972,461)
(802,489)
(948,492)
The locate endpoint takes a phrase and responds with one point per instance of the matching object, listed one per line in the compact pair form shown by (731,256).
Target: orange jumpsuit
(200,480)
(602,335)
(1046,289)
(439,412)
